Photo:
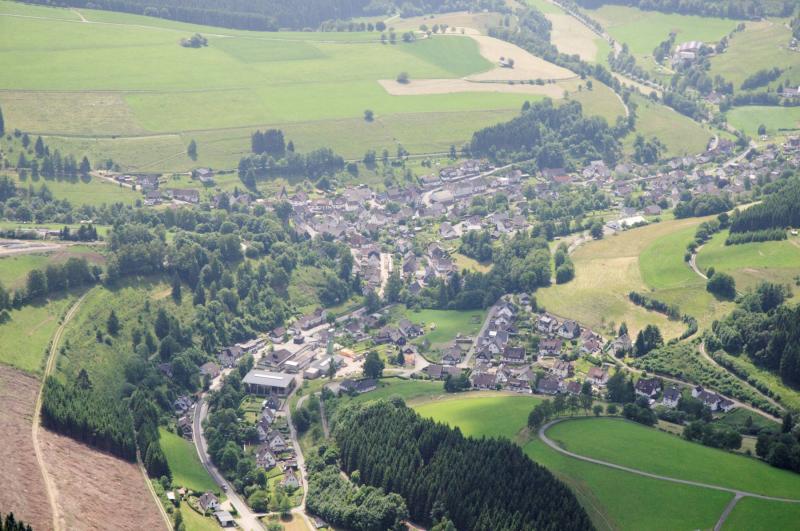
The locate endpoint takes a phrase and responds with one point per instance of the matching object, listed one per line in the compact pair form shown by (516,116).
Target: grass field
(187,471)
(94,193)
(751,263)
(25,338)
(408,390)
(763,44)
(442,326)
(616,260)
(197,522)
(14,269)
(681,135)
(629,444)
(477,415)
(465,262)
(116,77)
(752,514)
(777,120)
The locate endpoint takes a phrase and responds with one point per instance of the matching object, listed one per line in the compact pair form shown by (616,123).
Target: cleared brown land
(572,37)
(526,65)
(96,491)
(22,484)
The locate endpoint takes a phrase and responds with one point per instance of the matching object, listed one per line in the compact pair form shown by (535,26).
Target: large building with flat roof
(266,383)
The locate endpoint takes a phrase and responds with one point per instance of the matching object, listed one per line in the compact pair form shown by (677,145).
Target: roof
(268,378)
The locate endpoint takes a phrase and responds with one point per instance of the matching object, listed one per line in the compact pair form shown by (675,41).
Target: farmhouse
(265,383)
(514,355)
(548,386)
(549,347)
(714,401)
(597,376)
(648,387)
(671,397)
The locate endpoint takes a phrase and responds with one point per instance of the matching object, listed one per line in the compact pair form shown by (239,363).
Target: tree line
(47,164)
(54,278)
(313,164)
(9,522)
(703,205)
(737,9)
(778,210)
(480,484)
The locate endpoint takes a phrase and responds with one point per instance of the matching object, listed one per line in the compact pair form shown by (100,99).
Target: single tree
(597,230)
(2,123)
(369,115)
(112,325)
(191,150)
(373,365)
(403,78)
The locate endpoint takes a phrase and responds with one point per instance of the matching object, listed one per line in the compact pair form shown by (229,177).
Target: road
(248,520)
(741,493)
(486,322)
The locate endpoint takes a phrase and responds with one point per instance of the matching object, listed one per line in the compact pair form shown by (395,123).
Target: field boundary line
(552,444)
(49,484)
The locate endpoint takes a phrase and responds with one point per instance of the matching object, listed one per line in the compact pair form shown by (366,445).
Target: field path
(736,492)
(727,512)
(50,486)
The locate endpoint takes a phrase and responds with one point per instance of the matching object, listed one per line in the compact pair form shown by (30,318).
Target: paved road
(471,352)
(741,493)
(248,520)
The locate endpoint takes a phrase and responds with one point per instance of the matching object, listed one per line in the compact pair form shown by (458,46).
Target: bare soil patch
(572,37)
(23,489)
(449,86)
(97,491)
(526,65)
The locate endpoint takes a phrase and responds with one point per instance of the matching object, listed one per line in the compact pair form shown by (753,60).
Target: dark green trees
(648,339)
(722,285)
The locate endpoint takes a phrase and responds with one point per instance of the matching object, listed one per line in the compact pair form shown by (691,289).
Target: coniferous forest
(479,484)
(9,523)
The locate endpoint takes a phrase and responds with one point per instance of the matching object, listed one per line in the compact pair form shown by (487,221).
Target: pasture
(112,80)
(476,415)
(442,326)
(777,120)
(187,471)
(752,263)
(408,390)
(629,444)
(616,260)
(753,514)
(680,134)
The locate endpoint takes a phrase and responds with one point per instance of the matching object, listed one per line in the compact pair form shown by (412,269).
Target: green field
(442,326)
(477,416)
(680,134)
(751,263)
(26,337)
(117,77)
(629,444)
(777,120)
(94,193)
(187,471)
(197,522)
(752,514)
(613,499)
(408,390)
(763,44)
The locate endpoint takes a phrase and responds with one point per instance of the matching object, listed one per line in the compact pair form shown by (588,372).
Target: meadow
(408,390)
(442,326)
(752,514)
(752,263)
(777,120)
(187,471)
(681,135)
(629,444)
(615,259)
(598,488)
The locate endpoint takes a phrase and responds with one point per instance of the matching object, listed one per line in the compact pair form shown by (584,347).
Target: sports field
(121,86)
(751,263)
(629,444)
(187,471)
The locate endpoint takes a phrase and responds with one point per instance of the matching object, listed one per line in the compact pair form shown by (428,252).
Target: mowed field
(777,120)
(752,263)
(680,134)
(187,470)
(629,444)
(121,86)
(442,326)
(612,498)
(752,514)
(615,260)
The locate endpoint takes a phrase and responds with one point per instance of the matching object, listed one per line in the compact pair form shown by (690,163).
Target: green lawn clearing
(408,390)
(184,463)
(478,416)
(680,134)
(752,514)
(442,326)
(777,120)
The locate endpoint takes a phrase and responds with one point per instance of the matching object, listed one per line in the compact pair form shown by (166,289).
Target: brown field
(23,486)
(96,491)
(572,37)
(526,65)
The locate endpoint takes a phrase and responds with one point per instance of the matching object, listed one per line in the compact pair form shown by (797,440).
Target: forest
(9,523)
(552,136)
(480,484)
(778,210)
(739,9)
(703,205)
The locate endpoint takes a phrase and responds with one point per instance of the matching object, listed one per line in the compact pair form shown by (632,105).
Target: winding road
(737,494)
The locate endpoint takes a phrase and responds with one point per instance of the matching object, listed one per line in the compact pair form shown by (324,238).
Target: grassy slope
(25,338)
(615,260)
(187,471)
(775,119)
(598,488)
(680,134)
(752,263)
(637,446)
(752,514)
(408,390)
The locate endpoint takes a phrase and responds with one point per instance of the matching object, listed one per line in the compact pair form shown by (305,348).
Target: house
(209,369)
(648,387)
(514,355)
(208,502)
(185,427)
(569,330)
(290,480)
(671,397)
(265,458)
(592,346)
(548,385)
(597,376)
(277,334)
(229,356)
(277,358)
(714,401)
(562,369)
(483,380)
(549,347)
(184,194)
(182,404)
(573,387)
(621,345)
(277,443)
(358,386)
(312,320)
(409,329)
(266,383)
(225,519)
(451,355)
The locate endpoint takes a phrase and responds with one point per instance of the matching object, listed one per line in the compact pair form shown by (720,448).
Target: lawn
(408,390)
(629,444)
(477,416)
(442,326)
(777,120)
(680,134)
(187,471)
(465,262)
(615,259)
(751,263)
(752,514)
(26,337)
(197,522)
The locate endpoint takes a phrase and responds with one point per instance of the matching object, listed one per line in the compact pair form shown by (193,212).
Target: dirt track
(24,491)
